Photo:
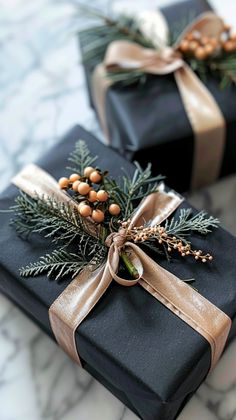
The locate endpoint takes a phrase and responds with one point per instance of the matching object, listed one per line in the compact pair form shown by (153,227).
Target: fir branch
(96,38)
(81,157)
(58,221)
(126,78)
(138,186)
(132,189)
(225,67)
(222,67)
(58,264)
(186,223)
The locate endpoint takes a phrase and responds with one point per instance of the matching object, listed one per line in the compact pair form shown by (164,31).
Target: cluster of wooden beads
(142,234)
(202,47)
(92,202)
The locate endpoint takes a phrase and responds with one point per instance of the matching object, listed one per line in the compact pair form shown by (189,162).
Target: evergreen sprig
(79,242)
(48,217)
(58,264)
(81,157)
(108,29)
(132,189)
(140,185)
(96,39)
(187,222)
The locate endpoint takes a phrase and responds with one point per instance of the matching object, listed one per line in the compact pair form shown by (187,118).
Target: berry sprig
(93,201)
(201,47)
(141,234)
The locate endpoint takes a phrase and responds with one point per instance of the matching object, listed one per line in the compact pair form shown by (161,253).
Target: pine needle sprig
(52,219)
(186,223)
(225,68)
(58,264)
(126,78)
(81,157)
(132,189)
(139,186)
(96,38)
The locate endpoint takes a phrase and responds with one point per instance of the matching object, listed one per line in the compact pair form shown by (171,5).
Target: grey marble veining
(42,94)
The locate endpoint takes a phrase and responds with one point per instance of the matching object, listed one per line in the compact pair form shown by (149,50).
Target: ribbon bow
(203,112)
(82,294)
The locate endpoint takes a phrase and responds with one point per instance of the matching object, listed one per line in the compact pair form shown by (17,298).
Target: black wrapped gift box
(144,354)
(148,123)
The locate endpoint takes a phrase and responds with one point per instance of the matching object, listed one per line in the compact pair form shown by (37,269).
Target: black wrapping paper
(148,122)
(144,354)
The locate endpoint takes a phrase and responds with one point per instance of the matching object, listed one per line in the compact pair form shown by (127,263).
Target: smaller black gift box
(148,123)
(143,353)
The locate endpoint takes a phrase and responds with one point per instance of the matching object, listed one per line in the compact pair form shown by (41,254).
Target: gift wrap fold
(140,349)
(173,113)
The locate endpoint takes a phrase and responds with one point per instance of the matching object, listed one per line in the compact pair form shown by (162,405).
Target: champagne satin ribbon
(203,112)
(81,295)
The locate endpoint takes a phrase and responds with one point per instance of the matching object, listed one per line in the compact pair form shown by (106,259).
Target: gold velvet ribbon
(82,294)
(203,112)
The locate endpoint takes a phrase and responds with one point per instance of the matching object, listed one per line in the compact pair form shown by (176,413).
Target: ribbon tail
(34,181)
(186,303)
(73,305)
(208,125)
(100,84)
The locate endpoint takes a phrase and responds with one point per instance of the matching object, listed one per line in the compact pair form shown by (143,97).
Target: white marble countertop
(42,94)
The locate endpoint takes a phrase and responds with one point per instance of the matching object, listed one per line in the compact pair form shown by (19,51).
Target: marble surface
(42,94)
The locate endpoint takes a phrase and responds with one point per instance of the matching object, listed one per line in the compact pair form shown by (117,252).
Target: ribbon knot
(116,238)
(169,54)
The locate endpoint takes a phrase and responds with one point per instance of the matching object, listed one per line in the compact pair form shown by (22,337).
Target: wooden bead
(95,177)
(92,196)
(83,188)
(114,209)
(74,177)
(88,170)
(75,185)
(63,183)
(98,216)
(200,53)
(102,195)
(85,210)
(229,46)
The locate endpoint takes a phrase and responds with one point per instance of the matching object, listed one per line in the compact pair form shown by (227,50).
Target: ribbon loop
(207,24)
